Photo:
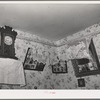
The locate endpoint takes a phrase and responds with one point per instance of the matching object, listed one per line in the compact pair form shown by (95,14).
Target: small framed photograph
(60,67)
(30,63)
(81,82)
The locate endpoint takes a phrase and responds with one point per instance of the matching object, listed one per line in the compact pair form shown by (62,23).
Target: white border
(49,94)
(49,2)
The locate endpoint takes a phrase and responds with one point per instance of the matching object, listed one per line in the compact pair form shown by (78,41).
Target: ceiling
(50,21)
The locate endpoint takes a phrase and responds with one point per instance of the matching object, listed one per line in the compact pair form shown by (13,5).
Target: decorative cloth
(11,72)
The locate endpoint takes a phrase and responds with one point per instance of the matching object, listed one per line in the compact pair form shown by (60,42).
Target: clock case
(7,51)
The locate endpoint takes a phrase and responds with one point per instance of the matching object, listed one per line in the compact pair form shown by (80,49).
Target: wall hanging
(85,66)
(60,67)
(31,63)
(81,82)
(7,40)
(93,54)
(11,72)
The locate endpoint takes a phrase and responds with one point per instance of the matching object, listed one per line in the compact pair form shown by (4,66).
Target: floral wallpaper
(49,54)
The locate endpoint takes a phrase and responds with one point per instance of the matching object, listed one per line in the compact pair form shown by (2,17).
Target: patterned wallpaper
(79,50)
(49,54)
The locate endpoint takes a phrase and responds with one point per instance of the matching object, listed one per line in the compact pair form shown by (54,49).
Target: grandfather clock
(7,40)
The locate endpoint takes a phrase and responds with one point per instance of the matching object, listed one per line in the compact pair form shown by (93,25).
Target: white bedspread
(11,72)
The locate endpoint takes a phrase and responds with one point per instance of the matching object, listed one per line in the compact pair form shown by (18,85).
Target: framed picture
(60,67)
(81,82)
(31,64)
(85,66)
(0,38)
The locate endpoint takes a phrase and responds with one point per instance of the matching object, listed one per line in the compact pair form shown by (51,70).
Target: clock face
(8,40)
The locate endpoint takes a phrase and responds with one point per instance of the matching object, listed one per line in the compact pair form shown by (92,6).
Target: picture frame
(81,82)
(60,67)
(0,40)
(31,64)
(87,66)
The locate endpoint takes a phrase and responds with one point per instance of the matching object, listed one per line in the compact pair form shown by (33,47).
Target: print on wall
(85,66)
(60,67)
(93,53)
(81,82)
(31,64)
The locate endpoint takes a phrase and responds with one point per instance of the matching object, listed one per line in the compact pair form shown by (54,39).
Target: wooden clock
(7,40)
